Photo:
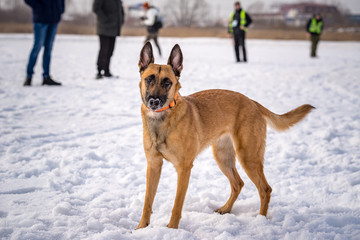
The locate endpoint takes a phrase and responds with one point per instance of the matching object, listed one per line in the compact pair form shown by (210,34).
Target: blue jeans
(44,35)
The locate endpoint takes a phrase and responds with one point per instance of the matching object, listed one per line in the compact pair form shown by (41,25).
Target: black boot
(49,81)
(99,75)
(27,81)
(108,74)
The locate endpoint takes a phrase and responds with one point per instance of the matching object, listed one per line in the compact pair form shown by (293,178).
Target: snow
(73,165)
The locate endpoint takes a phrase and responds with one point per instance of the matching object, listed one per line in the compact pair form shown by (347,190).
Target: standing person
(239,22)
(314,28)
(110,18)
(46,16)
(153,23)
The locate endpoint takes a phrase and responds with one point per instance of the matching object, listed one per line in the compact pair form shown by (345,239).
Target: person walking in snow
(238,24)
(110,17)
(314,28)
(46,16)
(153,22)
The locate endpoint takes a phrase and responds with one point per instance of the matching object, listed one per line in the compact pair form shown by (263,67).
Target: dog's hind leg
(224,155)
(258,178)
(251,156)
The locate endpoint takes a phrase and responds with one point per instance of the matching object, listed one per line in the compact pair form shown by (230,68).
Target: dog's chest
(158,132)
(157,137)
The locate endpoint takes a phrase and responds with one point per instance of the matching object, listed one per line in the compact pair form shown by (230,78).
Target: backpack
(158,22)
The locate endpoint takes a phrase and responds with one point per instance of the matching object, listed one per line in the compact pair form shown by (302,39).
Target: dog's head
(159,83)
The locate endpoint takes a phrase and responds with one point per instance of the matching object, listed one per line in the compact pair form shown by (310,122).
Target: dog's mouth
(156,102)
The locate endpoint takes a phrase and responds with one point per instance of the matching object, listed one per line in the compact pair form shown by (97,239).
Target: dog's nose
(154,103)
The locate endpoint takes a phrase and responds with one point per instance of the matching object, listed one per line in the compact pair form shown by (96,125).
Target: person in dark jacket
(46,16)
(238,24)
(110,17)
(314,28)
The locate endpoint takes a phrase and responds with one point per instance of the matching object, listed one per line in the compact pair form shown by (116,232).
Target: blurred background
(272,19)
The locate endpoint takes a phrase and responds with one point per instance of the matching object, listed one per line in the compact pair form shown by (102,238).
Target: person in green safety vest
(314,28)
(238,24)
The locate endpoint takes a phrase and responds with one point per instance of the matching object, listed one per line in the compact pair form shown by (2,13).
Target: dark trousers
(239,40)
(107,45)
(153,35)
(314,43)
(44,36)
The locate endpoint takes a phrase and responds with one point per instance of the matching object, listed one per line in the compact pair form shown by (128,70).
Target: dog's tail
(287,120)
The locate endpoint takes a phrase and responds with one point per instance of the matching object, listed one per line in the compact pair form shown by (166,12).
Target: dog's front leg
(153,173)
(182,185)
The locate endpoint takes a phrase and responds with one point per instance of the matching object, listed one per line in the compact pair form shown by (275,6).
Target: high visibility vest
(234,23)
(315,26)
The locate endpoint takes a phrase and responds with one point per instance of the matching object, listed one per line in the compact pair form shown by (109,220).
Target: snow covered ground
(72,164)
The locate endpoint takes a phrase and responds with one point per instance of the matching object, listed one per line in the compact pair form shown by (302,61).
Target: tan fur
(233,124)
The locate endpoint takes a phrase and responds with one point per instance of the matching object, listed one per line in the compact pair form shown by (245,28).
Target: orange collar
(171,105)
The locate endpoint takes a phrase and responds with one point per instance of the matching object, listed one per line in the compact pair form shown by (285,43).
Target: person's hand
(242,27)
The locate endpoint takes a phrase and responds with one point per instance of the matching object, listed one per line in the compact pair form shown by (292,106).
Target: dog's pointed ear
(146,56)
(176,60)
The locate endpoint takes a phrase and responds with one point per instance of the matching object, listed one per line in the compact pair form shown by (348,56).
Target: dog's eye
(166,83)
(150,80)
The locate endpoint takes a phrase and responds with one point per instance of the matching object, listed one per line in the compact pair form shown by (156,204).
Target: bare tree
(186,12)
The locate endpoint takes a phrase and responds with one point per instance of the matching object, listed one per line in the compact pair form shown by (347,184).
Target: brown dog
(178,128)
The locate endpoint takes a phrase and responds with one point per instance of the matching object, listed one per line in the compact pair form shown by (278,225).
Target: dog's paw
(142,225)
(222,210)
(175,226)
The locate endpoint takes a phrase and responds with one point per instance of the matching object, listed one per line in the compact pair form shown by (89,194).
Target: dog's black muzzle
(156,102)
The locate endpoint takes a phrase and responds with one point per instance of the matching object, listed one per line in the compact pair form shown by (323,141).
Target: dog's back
(224,107)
